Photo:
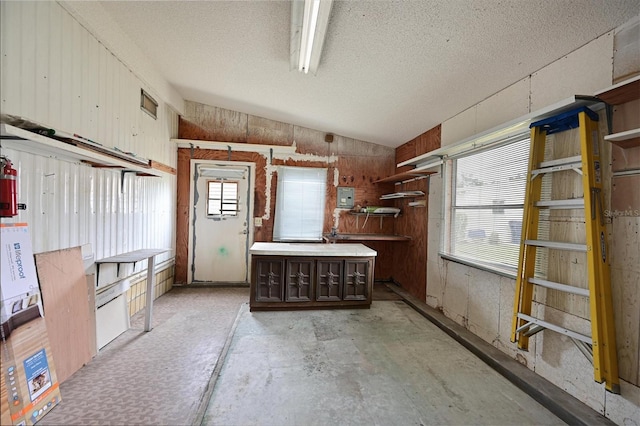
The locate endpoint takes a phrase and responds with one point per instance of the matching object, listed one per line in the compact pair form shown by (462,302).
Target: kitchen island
(311,276)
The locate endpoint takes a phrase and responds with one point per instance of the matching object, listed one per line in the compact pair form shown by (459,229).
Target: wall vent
(148,104)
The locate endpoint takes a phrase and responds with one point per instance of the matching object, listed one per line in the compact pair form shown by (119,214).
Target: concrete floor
(155,378)
(384,366)
(208,358)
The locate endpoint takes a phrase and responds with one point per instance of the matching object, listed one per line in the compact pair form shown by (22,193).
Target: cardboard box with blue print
(28,387)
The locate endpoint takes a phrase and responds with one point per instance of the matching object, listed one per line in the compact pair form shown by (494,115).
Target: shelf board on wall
(408,175)
(364,237)
(623,92)
(24,140)
(626,139)
(403,194)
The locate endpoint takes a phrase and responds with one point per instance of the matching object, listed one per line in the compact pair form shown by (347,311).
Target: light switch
(257,221)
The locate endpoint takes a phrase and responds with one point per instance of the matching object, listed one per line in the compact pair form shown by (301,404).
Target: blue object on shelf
(565,121)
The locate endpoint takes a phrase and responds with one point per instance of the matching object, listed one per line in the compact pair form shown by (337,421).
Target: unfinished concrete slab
(384,366)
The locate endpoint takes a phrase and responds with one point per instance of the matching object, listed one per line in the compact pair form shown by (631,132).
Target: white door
(220,234)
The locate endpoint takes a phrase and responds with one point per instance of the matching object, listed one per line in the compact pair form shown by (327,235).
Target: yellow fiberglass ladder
(535,251)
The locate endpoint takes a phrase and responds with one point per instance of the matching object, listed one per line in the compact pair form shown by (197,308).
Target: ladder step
(560,287)
(572,203)
(538,324)
(557,245)
(560,164)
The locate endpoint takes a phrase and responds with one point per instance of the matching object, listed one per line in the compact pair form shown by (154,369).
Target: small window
(148,104)
(222,198)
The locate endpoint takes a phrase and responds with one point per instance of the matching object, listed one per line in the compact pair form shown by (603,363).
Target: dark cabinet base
(290,282)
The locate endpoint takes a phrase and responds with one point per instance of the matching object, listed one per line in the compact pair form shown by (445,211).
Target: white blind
(487,205)
(300,200)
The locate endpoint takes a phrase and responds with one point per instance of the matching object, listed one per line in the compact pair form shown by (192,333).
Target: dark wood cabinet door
(269,280)
(298,287)
(329,280)
(356,284)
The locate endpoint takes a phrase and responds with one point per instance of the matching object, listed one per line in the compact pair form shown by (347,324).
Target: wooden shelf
(402,194)
(400,177)
(364,237)
(623,92)
(24,140)
(371,214)
(626,139)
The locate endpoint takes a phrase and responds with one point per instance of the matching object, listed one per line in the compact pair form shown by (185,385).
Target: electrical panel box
(345,197)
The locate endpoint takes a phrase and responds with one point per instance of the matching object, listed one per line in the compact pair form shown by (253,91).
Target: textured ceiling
(390,70)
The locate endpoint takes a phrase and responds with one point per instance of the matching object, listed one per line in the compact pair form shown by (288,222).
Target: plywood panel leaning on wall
(64,294)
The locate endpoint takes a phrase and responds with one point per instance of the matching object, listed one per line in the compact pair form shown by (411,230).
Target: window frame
(222,201)
(450,207)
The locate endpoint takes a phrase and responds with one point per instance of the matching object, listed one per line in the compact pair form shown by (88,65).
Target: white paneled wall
(71,204)
(55,72)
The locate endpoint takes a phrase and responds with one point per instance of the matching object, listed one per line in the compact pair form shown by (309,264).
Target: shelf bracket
(122,174)
(609,113)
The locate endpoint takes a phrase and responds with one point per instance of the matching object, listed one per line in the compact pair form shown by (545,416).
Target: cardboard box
(29,386)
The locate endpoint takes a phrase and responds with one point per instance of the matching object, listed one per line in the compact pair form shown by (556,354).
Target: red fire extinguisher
(8,191)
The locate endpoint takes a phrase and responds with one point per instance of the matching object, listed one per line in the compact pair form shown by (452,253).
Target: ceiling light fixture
(309,21)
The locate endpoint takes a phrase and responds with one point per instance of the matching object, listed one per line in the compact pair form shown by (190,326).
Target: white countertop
(310,249)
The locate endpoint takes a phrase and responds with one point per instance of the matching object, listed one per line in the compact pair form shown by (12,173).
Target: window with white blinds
(487,199)
(300,201)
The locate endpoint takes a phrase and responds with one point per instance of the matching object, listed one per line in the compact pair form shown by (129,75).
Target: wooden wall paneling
(624,158)
(406,152)
(182,214)
(428,141)
(204,122)
(384,260)
(309,141)
(66,309)
(626,117)
(625,276)
(625,196)
(410,258)
(268,132)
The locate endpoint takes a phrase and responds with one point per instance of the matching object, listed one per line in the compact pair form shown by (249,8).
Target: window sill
(504,272)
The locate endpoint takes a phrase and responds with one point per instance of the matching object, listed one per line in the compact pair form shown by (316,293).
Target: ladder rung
(557,245)
(572,203)
(560,164)
(561,161)
(560,287)
(538,322)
